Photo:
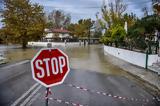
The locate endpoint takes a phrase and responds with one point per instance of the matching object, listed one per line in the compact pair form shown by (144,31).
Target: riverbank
(147,76)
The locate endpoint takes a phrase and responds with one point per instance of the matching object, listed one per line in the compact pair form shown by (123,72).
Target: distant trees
(23,21)
(112,14)
(145,11)
(136,36)
(143,28)
(138,29)
(82,28)
(58,19)
(130,19)
(97,28)
(140,32)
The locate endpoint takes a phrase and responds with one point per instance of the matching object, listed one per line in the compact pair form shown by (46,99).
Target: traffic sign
(50,67)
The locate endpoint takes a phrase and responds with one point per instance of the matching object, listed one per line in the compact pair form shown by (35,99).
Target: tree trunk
(116,44)
(24,40)
(24,44)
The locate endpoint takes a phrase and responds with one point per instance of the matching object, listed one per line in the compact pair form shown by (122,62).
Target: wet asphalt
(81,88)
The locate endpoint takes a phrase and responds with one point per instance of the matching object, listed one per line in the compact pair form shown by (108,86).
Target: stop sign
(50,67)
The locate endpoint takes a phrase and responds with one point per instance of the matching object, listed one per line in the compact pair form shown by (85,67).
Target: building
(56,35)
(156,6)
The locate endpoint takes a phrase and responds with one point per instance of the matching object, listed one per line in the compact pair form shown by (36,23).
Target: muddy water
(92,58)
(15,55)
(89,58)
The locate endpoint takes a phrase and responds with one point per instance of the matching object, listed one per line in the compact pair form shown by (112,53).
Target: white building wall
(135,58)
(44,44)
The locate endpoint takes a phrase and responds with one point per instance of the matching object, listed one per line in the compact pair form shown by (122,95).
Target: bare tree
(59,19)
(145,11)
(113,11)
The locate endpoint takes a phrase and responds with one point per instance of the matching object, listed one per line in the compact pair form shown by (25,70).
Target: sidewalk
(146,75)
(155,68)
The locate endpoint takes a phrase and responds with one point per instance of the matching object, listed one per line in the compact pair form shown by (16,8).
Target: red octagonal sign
(50,67)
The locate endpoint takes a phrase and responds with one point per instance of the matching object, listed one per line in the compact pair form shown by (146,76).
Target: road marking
(32,100)
(30,96)
(16,64)
(24,95)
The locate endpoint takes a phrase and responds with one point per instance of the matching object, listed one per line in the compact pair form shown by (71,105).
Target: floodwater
(88,58)
(92,58)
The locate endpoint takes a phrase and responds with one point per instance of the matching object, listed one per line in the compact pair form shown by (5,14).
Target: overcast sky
(79,9)
(88,8)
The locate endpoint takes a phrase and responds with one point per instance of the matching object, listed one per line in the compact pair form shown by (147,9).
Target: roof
(60,31)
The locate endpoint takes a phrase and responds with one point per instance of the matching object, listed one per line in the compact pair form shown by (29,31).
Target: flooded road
(90,58)
(93,80)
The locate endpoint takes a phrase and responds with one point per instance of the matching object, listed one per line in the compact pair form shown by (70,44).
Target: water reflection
(15,55)
(90,58)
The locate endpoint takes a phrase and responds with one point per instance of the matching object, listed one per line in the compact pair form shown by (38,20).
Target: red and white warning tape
(67,102)
(108,94)
(49,92)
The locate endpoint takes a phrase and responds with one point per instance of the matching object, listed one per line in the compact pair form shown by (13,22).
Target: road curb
(123,64)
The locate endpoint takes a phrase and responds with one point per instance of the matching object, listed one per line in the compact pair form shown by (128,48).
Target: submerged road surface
(92,81)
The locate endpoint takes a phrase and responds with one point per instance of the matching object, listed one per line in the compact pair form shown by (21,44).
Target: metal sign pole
(49,45)
(47,92)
